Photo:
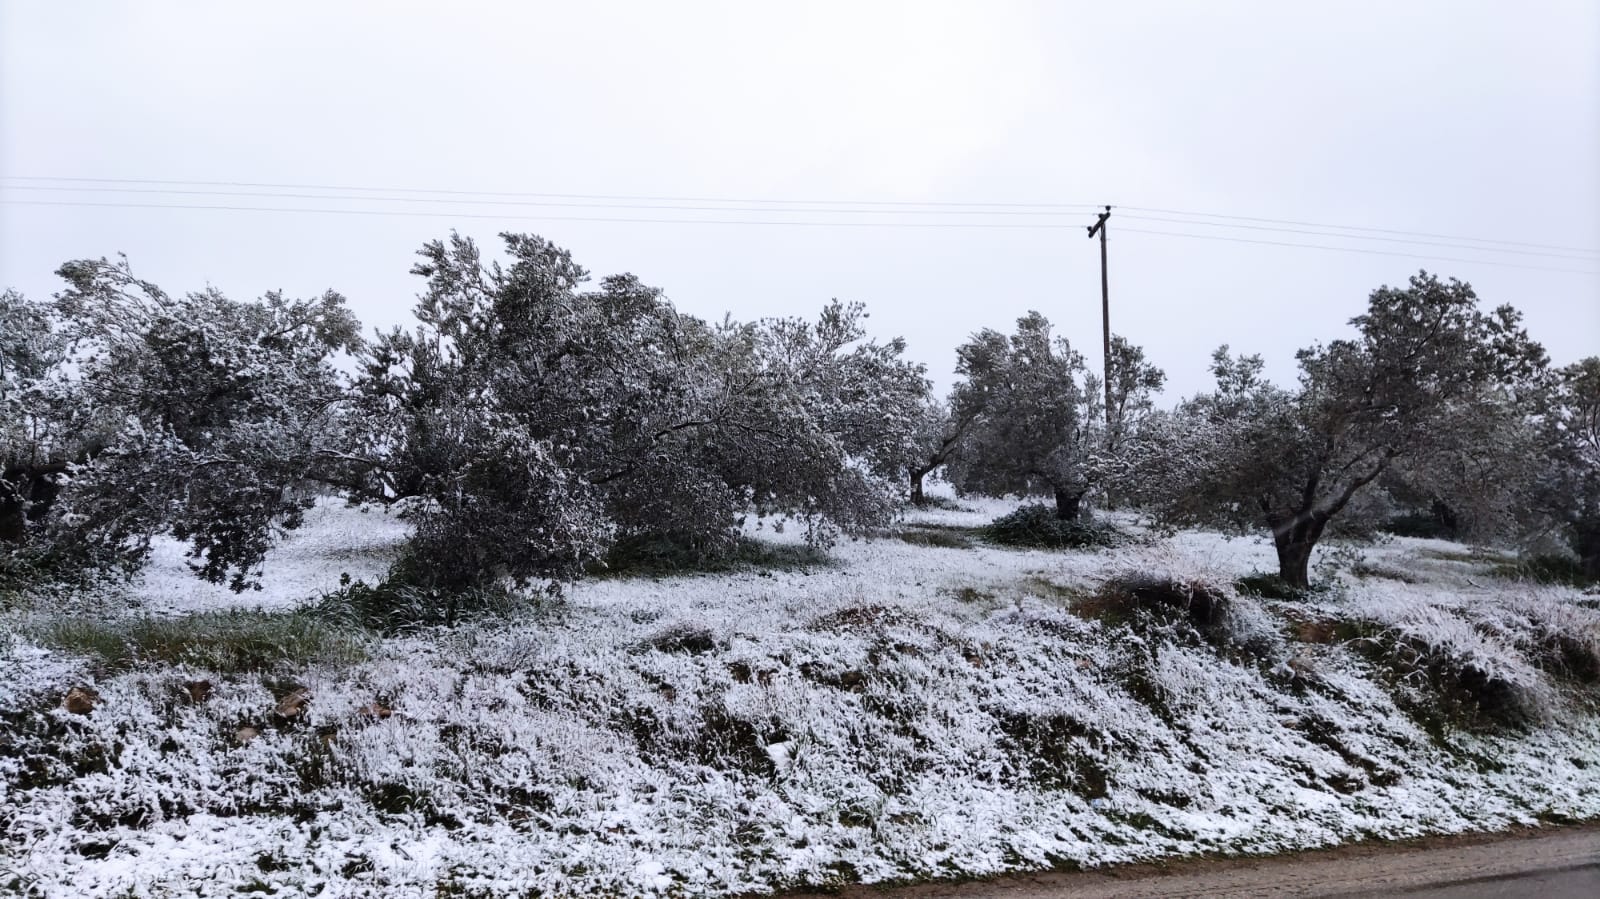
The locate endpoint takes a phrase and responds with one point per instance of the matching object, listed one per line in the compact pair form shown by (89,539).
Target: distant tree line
(532,424)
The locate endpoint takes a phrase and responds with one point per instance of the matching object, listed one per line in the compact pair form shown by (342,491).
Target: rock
(246,733)
(81,700)
(1321,631)
(1303,665)
(199,690)
(689,639)
(294,704)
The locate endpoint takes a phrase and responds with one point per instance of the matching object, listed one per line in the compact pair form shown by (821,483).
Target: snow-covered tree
(195,415)
(937,432)
(1026,385)
(36,439)
(1571,436)
(631,420)
(1031,413)
(1255,455)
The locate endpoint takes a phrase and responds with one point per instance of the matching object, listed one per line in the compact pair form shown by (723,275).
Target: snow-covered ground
(335,539)
(904,711)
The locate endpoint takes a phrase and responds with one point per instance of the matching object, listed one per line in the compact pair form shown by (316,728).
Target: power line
(1061,208)
(374,199)
(539,218)
(780,211)
(400,213)
(492,193)
(1313,246)
(1406,240)
(1248,218)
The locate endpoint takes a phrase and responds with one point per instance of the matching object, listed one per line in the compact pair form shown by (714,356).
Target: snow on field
(901,712)
(307,562)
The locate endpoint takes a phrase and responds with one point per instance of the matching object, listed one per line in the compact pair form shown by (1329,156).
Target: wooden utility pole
(1099,227)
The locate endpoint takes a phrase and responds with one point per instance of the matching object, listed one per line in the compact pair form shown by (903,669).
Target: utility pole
(1099,227)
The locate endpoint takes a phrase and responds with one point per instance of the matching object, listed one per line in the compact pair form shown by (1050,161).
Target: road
(1561,863)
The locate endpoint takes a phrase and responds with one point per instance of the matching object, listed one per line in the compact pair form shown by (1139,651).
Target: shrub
(404,601)
(1268,586)
(1210,610)
(1441,684)
(1469,664)
(1038,526)
(1547,569)
(1428,525)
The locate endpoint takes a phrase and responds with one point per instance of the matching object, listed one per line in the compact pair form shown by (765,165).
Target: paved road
(1572,883)
(1554,864)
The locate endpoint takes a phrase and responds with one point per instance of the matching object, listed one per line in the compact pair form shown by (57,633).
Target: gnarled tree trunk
(26,494)
(13,526)
(1294,540)
(1068,503)
(1586,542)
(917,496)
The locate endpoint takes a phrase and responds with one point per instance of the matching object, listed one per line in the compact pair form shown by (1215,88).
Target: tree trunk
(917,497)
(1586,543)
(1067,503)
(13,524)
(1294,541)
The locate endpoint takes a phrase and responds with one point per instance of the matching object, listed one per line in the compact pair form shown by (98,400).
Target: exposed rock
(294,704)
(246,733)
(199,690)
(684,638)
(81,700)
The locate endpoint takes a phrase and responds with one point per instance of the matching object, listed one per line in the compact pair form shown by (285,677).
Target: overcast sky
(1469,119)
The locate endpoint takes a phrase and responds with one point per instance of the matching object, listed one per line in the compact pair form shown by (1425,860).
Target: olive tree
(1029,409)
(193,415)
(1571,435)
(1252,454)
(618,418)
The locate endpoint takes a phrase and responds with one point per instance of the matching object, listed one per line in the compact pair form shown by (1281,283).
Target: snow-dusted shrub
(1202,602)
(1479,661)
(1040,526)
(403,601)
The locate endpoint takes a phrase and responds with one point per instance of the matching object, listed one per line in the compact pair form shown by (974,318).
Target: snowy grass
(906,712)
(228,641)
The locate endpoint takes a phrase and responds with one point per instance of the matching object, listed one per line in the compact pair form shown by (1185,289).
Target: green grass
(1268,586)
(945,536)
(1546,570)
(225,642)
(664,558)
(1468,556)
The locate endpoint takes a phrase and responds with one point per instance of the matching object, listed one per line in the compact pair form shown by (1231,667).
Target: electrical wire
(778,223)
(1248,218)
(927,207)
(1405,240)
(491,193)
(1312,246)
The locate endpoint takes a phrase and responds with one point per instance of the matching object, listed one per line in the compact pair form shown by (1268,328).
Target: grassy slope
(911,711)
